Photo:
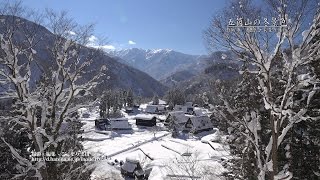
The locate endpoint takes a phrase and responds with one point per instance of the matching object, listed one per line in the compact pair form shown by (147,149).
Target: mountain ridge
(158,63)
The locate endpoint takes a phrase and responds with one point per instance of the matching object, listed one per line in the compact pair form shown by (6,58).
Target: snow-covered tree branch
(281,66)
(44,90)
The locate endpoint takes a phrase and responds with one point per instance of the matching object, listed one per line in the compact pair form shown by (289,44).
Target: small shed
(119,123)
(146,120)
(197,124)
(177,116)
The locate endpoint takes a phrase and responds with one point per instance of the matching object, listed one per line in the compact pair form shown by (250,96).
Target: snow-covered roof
(179,116)
(144,116)
(119,119)
(212,137)
(161,102)
(198,112)
(200,122)
(175,113)
(181,108)
(161,107)
(119,123)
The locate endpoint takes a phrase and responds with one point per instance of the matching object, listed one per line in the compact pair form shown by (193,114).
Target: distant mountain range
(160,63)
(173,68)
(121,76)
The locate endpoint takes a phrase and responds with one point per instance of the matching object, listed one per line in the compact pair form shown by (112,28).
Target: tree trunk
(274,150)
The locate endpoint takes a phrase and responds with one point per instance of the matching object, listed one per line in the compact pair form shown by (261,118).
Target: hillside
(218,65)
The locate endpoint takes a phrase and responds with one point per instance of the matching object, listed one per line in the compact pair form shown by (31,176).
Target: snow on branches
(45,101)
(281,65)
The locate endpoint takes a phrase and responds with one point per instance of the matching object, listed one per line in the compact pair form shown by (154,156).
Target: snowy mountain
(216,65)
(118,75)
(159,63)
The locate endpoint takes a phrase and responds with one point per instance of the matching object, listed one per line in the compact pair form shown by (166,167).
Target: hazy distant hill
(219,65)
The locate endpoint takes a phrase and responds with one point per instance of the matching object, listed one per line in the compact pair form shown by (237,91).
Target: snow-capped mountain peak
(159,63)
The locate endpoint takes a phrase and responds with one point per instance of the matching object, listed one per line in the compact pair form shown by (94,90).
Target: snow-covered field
(168,155)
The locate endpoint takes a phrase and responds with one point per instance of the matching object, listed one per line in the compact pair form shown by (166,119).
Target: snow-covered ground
(168,154)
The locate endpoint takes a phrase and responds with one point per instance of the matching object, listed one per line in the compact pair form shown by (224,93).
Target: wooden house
(155,109)
(119,123)
(187,108)
(197,124)
(102,123)
(176,117)
(146,120)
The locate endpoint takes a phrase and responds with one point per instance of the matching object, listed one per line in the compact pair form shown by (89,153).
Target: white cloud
(103,47)
(93,42)
(72,33)
(92,39)
(108,47)
(131,42)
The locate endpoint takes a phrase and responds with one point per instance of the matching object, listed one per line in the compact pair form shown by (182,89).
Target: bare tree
(264,50)
(46,110)
(191,167)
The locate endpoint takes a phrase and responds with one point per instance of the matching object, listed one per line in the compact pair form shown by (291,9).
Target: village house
(146,120)
(196,124)
(102,123)
(119,123)
(176,117)
(187,108)
(161,102)
(155,109)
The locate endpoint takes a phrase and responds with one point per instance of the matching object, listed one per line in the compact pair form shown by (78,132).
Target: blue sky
(148,24)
